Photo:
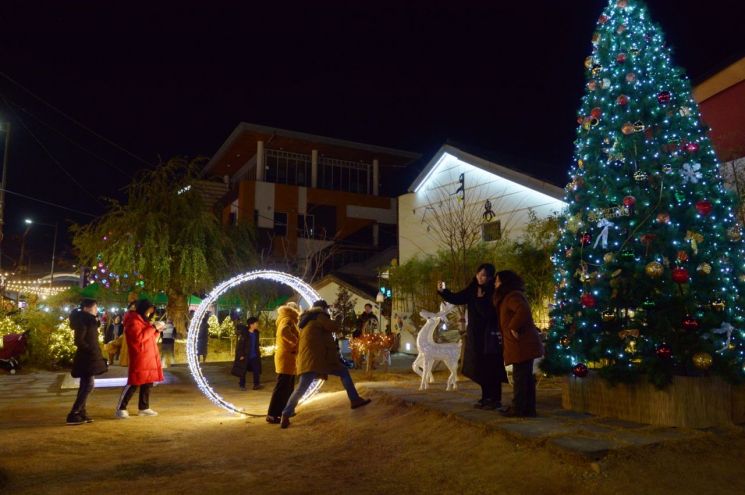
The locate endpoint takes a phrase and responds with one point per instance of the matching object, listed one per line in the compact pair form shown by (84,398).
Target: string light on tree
(673,269)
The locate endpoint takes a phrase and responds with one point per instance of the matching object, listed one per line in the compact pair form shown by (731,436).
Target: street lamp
(30,222)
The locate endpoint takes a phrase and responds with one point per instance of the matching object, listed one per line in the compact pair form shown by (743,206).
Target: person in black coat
(247,352)
(482,357)
(88,361)
(203,337)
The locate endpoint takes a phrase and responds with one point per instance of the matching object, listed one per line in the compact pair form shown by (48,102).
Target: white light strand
(306,292)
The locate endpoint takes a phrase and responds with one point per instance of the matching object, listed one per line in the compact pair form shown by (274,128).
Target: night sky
(176,79)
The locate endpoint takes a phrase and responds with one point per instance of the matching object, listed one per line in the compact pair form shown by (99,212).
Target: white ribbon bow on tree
(604,224)
(728,329)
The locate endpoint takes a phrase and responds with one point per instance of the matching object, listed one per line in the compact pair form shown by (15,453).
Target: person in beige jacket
(285,353)
(318,357)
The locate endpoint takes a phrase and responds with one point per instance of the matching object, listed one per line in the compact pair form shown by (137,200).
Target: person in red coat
(144,359)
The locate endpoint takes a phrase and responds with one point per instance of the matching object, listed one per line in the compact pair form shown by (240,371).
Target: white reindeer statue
(430,351)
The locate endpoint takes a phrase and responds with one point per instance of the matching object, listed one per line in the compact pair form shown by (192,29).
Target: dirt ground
(386,447)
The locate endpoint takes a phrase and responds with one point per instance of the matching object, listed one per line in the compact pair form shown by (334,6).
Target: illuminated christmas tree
(649,265)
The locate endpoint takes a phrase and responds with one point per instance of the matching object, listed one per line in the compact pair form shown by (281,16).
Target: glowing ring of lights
(307,293)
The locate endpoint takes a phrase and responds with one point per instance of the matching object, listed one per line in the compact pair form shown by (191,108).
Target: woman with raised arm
(482,357)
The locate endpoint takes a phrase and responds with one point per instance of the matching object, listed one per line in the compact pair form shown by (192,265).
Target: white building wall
(511,203)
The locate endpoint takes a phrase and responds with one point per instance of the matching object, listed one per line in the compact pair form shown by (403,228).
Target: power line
(49,203)
(69,139)
(73,119)
(49,153)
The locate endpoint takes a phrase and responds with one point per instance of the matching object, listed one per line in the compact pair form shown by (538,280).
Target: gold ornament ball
(704,268)
(565,341)
(734,233)
(609,257)
(627,128)
(702,360)
(654,269)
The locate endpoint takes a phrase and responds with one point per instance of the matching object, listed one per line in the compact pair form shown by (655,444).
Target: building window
(491,231)
(280,224)
(306,226)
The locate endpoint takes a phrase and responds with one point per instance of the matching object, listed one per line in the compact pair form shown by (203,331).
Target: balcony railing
(285,167)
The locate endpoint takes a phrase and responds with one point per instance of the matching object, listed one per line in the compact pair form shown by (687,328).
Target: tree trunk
(177,310)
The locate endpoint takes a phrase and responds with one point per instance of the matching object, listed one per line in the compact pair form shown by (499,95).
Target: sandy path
(383,448)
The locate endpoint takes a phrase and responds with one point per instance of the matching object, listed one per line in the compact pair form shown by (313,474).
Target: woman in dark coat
(88,361)
(482,357)
(203,337)
(522,340)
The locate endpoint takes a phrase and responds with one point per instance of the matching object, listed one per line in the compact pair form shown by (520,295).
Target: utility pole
(5,126)
(54,249)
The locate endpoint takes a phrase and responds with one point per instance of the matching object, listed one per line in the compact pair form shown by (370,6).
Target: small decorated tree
(343,310)
(649,265)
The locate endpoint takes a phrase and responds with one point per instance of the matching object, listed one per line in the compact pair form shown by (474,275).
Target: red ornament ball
(682,256)
(621,4)
(588,300)
(580,370)
(585,238)
(622,100)
(630,77)
(592,85)
(704,206)
(596,112)
(690,323)
(664,97)
(621,58)
(692,147)
(664,351)
(680,275)
(603,19)
(663,217)
(629,201)
(628,128)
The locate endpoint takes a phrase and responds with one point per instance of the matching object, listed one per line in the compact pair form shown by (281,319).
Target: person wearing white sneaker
(144,359)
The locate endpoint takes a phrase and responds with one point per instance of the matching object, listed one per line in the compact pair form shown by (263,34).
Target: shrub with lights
(62,344)
(649,266)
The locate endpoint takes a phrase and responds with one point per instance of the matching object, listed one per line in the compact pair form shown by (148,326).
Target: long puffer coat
(144,357)
(88,360)
(317,349)
(479,365)
(288,338)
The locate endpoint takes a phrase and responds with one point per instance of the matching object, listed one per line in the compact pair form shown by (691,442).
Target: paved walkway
(578,434)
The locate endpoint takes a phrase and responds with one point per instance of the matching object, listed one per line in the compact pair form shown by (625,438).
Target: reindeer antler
(444,310)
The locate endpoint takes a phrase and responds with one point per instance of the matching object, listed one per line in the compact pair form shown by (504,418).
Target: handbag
(237,369)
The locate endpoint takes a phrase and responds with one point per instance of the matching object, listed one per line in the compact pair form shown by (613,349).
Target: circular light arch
(306,292)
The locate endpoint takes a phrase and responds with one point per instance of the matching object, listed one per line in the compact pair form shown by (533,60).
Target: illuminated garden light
(306,292)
